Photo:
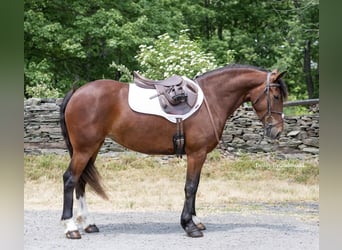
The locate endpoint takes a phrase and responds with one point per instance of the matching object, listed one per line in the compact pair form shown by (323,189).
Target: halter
(268,114)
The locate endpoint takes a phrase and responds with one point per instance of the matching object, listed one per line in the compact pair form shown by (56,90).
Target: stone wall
(243,132)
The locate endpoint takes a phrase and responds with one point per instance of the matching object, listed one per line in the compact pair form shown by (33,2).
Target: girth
(179,139)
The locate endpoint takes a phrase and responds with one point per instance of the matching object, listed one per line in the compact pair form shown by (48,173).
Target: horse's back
(101,87)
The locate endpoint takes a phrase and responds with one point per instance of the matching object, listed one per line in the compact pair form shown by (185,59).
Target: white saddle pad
(139,101)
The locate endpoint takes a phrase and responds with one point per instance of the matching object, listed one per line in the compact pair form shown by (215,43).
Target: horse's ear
(275,76)
(274,72)
(280,75)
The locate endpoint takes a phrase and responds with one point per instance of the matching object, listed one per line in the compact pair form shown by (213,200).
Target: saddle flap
(192,93)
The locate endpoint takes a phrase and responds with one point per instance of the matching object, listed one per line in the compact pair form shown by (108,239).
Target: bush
(168,56)
(42,91)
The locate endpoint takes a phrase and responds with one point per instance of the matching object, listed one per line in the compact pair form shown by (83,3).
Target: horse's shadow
(160,228)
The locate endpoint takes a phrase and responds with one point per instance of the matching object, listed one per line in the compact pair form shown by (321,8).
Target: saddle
(177,95)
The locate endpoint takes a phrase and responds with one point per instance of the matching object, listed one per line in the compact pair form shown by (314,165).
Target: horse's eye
(276,97)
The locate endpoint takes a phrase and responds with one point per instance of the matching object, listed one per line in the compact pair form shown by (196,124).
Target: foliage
(42,91)
(125,73)
(167,57)
(68,41)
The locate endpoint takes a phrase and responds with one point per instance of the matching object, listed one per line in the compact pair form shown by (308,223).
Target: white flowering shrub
(180,57)
(41,75)
(42,91)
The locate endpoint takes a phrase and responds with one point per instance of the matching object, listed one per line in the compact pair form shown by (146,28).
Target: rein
(268,114)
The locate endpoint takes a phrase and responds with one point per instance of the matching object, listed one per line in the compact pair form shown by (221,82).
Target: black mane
(282,85)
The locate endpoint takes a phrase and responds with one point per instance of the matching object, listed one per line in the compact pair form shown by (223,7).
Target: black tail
(62,120)
(90,174)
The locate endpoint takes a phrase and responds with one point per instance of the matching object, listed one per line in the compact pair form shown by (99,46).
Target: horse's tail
(62,120)
(90,174)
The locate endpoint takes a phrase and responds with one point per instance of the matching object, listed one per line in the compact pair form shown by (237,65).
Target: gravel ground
(276,227)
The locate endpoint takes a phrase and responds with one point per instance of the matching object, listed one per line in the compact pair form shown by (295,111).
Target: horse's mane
(229,67)
(282,85)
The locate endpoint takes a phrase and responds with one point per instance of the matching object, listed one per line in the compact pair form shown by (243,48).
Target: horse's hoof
(91,229)
(73,235)
(195,234)
(201,226)
(192,231)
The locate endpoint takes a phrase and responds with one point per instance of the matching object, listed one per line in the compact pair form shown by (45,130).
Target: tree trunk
(220,31)
(207,21)
(307,70)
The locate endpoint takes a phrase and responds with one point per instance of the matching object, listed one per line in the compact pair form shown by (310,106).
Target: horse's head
(268,101)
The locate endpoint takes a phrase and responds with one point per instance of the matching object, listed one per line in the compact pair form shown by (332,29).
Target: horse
(100,109)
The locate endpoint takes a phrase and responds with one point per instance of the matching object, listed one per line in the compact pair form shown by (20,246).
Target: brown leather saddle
(176,94)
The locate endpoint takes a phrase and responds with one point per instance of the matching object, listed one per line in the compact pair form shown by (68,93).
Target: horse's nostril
(278,135)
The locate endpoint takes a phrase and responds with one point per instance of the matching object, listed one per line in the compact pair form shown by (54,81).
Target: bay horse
(100,109)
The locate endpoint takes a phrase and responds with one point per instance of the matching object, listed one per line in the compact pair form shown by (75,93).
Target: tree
(270,34)
(69,42)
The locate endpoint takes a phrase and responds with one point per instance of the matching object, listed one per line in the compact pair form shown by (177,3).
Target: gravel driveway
(273,228)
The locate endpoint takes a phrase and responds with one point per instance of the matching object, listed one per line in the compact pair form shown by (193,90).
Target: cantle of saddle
(167,89)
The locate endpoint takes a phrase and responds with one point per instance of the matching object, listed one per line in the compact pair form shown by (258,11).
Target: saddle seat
(177,95)
(144,82)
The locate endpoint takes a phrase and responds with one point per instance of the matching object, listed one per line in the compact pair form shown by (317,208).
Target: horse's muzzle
(273,132)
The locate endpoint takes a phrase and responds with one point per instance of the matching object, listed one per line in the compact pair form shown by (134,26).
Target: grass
(297,110)
(147,183)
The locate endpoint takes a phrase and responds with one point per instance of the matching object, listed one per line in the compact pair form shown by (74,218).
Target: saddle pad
(139,101)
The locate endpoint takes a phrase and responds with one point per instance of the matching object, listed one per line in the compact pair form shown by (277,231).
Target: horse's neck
(226,94)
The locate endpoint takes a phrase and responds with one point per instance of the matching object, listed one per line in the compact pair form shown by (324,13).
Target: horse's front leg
(194,167)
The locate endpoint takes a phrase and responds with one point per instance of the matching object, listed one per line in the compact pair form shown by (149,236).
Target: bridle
(268,114)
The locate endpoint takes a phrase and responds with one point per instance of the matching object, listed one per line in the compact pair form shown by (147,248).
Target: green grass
(244,168)
(296,110)
(249,167)
(45,166)
(148,183)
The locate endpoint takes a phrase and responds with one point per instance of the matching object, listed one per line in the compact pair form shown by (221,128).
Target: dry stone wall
(243,132)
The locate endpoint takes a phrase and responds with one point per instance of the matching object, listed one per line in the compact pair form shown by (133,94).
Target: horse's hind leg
(83,218)
(70,179)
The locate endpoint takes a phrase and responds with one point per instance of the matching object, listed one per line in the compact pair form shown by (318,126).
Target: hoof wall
(195,234)
(73,235)
(193,231)
(91,229)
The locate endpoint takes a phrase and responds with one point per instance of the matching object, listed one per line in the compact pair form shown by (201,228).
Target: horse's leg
(70,179)
(195,219)
(83,218)
(194,167)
